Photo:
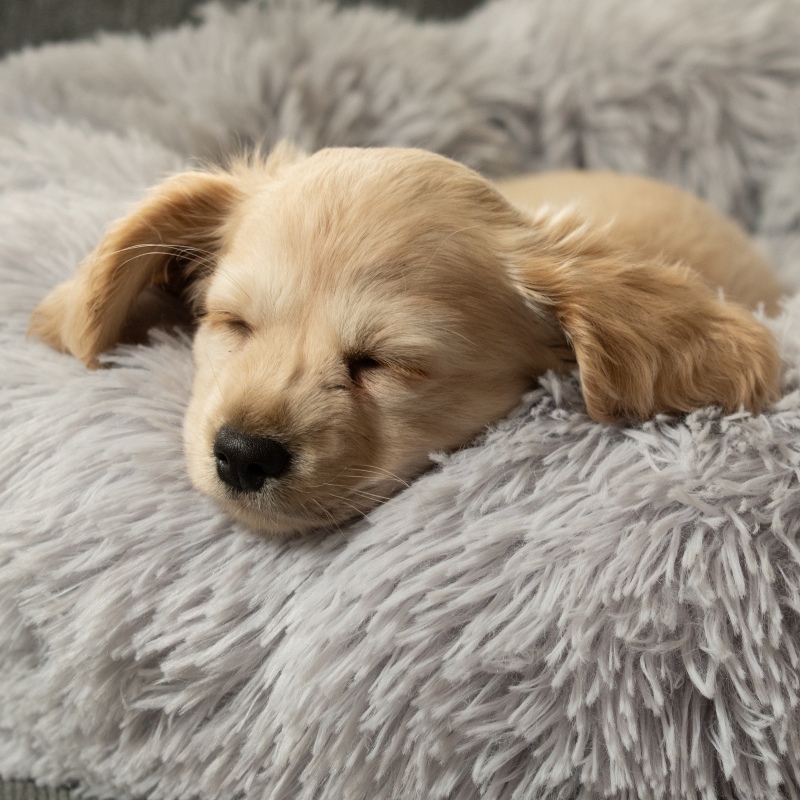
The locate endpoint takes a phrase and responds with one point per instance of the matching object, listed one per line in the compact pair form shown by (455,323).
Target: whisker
(375,471)
(184,248)
(142,255)
(329,483)
(382,498)
(164,249)
(354,490)
(348,504)
(327,514)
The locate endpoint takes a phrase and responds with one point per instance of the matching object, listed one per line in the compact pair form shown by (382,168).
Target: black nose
(244,462)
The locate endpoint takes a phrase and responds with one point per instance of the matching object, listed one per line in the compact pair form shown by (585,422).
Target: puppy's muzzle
(244,462)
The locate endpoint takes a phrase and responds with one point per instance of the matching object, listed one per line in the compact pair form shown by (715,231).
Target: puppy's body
(359,309)
(658,221)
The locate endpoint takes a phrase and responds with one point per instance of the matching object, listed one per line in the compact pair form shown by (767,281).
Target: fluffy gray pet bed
(564,610)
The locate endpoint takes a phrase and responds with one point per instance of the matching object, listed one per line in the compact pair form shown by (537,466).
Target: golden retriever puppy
(360,308)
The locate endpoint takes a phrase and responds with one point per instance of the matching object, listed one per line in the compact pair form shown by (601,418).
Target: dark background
(30,22)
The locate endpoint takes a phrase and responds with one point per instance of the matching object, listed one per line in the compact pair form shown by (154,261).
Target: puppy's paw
(652,338)
(737,363)
(708,353)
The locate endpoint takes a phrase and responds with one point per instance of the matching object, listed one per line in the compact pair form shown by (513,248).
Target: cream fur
(365,307)
(566,609)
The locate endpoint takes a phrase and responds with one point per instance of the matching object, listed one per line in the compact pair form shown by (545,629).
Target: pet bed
(563,610)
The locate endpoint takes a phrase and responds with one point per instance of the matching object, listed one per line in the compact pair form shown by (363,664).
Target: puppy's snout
(244,462)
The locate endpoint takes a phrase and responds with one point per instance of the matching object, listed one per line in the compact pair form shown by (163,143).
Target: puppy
(360,308)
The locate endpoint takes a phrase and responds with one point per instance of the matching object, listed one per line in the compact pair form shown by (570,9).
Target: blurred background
(31,22)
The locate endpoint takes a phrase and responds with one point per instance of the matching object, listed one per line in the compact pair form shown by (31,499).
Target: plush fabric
(563,610)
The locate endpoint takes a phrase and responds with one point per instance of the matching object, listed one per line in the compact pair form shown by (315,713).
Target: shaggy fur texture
(358,308)
(566,610)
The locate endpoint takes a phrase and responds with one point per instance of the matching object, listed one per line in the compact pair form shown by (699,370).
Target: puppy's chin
(275,523)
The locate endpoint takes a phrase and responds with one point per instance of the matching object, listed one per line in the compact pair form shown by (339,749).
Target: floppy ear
(649,337)
(167,239)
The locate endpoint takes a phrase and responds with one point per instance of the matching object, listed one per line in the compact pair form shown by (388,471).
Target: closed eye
(360,365)
(227,321)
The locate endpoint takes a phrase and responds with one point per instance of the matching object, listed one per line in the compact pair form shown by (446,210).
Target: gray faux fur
(565,610)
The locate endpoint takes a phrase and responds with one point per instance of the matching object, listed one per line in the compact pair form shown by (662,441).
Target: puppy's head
(350,327)
(359,309)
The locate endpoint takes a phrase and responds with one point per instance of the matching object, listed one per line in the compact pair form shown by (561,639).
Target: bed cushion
(564,609)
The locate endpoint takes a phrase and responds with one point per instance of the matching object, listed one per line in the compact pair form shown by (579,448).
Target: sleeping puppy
(360,308)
